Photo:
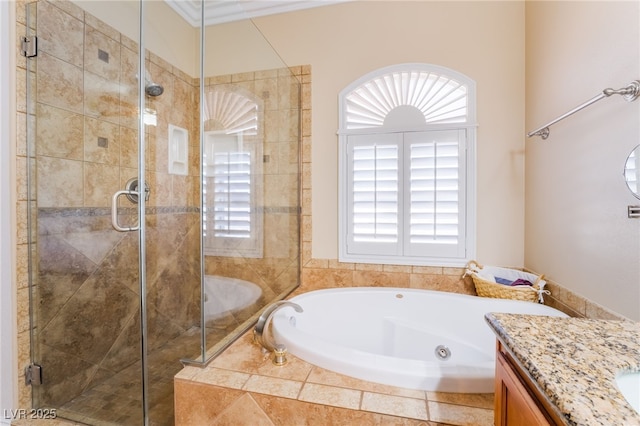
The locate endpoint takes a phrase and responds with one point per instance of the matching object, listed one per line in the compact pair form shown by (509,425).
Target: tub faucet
(261,332)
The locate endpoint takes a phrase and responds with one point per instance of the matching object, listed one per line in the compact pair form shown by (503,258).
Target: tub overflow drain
(443,352)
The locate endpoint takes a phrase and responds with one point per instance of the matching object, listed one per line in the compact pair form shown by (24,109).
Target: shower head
(153,89)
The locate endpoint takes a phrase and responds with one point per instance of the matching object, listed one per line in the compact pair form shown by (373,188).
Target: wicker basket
(487,288)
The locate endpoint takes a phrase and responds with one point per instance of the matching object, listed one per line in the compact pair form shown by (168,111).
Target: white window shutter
(232,194)
(232,207)
(375,198)
(407,160)
(435,224)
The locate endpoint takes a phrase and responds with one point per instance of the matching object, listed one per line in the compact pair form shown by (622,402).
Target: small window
(406,159)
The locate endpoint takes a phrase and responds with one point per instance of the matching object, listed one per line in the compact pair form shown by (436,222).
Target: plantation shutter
(232,194)
(435,186)
(374,181)
(233,218)
(406,194)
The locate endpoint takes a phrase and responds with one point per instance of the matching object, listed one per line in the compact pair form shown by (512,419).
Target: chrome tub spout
(261,332)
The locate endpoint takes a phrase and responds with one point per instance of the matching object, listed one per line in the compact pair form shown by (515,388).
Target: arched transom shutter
(439,99)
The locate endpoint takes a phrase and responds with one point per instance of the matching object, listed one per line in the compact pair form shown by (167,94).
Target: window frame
(468,160)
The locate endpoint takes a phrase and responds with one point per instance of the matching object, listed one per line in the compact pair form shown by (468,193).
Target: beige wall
(484,40)
(577,230)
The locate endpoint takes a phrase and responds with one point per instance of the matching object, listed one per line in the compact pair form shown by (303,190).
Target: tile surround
(300,393)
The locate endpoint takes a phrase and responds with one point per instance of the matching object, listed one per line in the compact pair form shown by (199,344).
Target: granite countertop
(575,362)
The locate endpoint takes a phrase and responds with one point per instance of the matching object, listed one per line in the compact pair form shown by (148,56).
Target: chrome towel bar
(630,93)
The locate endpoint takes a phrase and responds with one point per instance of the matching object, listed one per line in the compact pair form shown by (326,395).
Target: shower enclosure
(163,150)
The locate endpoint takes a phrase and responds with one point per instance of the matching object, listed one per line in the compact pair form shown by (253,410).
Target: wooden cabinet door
(514,405)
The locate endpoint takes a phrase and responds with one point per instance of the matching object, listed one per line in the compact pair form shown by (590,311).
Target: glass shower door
(117,268)
(83,109)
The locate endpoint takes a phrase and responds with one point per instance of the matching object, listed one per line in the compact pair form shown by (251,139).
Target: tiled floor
(118,400)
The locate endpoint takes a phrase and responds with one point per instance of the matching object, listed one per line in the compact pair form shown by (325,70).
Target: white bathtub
(399,336)
(225,295)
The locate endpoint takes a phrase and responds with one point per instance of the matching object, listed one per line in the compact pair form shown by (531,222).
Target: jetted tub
(225,295)
(415,339)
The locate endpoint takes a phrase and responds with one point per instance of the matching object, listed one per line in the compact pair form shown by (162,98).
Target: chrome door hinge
(30,46)
(633,212)
(33,375)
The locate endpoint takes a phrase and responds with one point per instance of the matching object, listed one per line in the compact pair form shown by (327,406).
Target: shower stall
(164,197)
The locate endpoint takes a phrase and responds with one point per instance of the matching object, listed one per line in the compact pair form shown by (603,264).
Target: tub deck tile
(310,393)
(331,395)
(273,386)
(222,377)
(326,377)
(459,415)
(395,405)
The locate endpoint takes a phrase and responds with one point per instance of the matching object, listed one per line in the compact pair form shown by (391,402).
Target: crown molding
(218,12)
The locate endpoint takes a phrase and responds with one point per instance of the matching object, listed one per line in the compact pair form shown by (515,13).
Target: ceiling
(221,11)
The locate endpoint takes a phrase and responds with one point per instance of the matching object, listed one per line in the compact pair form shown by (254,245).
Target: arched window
(407,162)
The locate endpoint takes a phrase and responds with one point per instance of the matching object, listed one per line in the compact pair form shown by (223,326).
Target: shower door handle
(114,212)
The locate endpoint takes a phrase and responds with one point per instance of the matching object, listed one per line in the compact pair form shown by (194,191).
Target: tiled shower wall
(276,92)
(85,136)
(86,140)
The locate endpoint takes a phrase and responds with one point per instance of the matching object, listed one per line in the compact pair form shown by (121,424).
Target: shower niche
(115,315)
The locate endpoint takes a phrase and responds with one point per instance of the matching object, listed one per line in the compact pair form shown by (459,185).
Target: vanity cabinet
(517,402)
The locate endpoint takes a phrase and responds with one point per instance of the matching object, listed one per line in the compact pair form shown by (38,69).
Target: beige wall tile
(199,404)
(326,377)
(22,265)
(326,278)
(380,279)
(395,405)
(459,415)
(101,55)
(60,34)
(101,181)
(60,182)
(593,310)
(431,270)
(129,88)
(59,83)
(273,386)
(21,222)
(330,395)
(21,134)
(243,411)
(160,184)
(187,373)
(267,90)
(101,98)
(222,377)
(480,400)
(101,142)
(69,7)
(102,27)
(59,133)
(23,310)
(21,178)
(24,349)
(128,147)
